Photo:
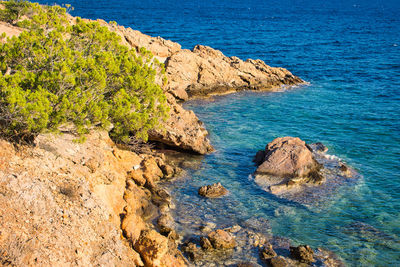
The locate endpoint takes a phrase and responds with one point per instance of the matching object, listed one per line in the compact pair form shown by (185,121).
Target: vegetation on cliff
(63,70)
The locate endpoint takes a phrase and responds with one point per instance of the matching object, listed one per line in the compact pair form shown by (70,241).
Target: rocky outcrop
(69,203)
(286,163)
(221,239)
(182,130)
(300,172)
(205,71)
(213,191)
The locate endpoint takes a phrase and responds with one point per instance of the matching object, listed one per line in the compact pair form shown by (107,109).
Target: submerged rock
(213,191)
(302,253)
(267,252)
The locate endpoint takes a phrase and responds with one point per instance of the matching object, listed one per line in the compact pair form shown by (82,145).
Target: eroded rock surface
(205,71)
(182,130)
(69,203)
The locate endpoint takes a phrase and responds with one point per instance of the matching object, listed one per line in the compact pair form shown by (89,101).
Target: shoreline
(118,192)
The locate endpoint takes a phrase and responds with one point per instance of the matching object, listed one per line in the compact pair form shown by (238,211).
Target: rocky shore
(96,203)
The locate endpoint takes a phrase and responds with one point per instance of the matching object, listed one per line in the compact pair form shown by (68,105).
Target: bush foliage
(59,72)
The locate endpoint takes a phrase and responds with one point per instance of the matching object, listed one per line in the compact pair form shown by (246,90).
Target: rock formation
(300,172)
(287,162)
(182,130)
(66,203)
(205,71)
(213,191)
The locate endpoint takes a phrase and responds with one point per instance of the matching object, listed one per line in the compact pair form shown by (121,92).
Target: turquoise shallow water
(350,53)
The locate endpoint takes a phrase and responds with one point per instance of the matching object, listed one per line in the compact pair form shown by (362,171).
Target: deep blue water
(350,53)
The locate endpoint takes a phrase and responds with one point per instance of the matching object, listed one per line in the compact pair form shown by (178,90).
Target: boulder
(287,163)
(302,253)
(221,239)
(205,71)
(213,191)
(287,157)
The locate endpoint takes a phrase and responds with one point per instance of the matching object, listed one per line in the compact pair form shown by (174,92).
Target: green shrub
(14,10)
(55,73)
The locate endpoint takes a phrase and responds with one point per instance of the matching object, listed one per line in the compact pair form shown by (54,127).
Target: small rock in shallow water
(267,252)
(221,239)
(278,261)
(213,191)
(302,253)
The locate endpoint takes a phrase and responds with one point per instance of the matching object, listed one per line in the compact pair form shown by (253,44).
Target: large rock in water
(286,162)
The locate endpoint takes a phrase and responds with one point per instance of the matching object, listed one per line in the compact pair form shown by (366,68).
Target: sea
(349,52)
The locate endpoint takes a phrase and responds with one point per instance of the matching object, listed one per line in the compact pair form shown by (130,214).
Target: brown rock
(287,156)
(267,252)
(191,250)
(278,261)
(213,191)
(205,71)
(182,130)
(165,223)
(302,253)
(137,177)
(167,170)
(156,251)
(221,239)
(288,163)
(205,243)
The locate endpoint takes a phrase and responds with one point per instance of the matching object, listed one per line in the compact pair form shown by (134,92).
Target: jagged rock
(302,253)
(182,130)
(221,239)
(205,71)
(267,252)
(213,191)
(156,250)
(288,162)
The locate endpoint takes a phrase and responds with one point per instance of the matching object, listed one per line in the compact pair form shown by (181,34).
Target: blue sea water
(349,51)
